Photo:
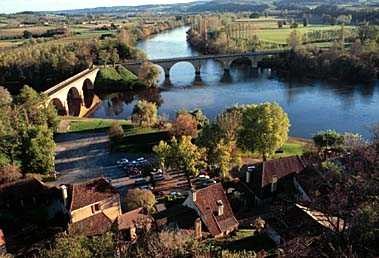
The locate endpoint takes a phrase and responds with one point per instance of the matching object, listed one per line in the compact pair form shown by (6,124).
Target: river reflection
(312,106)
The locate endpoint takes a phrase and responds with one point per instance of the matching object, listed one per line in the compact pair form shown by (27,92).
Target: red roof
(95,225)
(134,218)
(2,238)
(280,168)
(207,202)
(91,192)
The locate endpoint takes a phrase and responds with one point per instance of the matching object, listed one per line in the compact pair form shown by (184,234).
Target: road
(84,156)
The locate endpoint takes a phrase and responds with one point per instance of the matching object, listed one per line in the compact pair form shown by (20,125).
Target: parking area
(84,156)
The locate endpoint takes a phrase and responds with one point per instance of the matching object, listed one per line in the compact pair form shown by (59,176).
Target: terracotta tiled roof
(133,218)
(95,225)
(280,168)
(91,192)
(2,238)
(206,201)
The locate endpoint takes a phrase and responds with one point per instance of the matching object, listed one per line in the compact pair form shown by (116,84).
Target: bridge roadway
(224,59)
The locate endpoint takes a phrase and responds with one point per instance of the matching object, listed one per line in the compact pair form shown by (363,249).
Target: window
(274,184)
(95,208)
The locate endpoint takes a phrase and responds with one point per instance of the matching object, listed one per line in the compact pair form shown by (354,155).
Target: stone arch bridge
(75,96)
(225,60)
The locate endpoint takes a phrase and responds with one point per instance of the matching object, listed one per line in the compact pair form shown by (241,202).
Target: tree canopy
(264,128)
(145,114)
(138,198)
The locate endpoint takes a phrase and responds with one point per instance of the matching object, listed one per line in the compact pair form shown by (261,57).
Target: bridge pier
(226,77)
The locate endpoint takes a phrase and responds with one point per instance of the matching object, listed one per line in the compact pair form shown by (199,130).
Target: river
(311,106)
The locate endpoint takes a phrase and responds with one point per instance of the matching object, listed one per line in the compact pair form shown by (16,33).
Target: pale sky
(12,6)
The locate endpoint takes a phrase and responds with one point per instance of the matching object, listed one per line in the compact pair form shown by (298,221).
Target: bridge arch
(88,92)
(74,102)
(185,74)
(241,61)
(59,107)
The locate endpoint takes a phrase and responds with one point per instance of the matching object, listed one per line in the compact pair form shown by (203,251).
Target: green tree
(188,156)
(9,136)
(328,139)
(149,74)
(137,198)
(34,110)
(81,247)
(114,57)
(223,158)
(164,152)
(264,128)
(145,114)
(38,150)
(182,154)
(104,57)
(116,132)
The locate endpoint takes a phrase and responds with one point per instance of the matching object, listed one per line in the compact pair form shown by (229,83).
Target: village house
(268,178)
(133,223)
(213,208)
(93,207)
(29,209)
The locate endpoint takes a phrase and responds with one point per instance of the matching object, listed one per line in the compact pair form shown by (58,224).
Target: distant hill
(212,6)
(196,6)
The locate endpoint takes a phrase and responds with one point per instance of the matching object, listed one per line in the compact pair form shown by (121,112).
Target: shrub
(116,132)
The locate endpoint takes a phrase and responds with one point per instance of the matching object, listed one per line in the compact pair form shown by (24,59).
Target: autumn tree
(149,74)
(184,125)
(264,129)
(138,198)
(145,114)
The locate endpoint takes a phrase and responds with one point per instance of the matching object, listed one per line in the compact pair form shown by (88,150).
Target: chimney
(248,177)
(193,195)
(250,169)
(64,194)
(220,205)
(198,233)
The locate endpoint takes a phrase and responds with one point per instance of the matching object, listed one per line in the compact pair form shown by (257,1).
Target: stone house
(93,207)
(133,223)
(212,206)
(268,178)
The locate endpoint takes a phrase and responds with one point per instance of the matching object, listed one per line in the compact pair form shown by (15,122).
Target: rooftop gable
(207,201)
(91,192)
(280,168)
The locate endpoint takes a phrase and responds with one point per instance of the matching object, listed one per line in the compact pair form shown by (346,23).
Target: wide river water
(311,106)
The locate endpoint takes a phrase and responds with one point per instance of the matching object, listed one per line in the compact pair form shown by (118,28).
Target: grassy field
(280,36)
(294,146)
(75,125)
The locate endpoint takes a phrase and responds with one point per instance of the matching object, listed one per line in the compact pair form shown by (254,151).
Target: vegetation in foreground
(27,126)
